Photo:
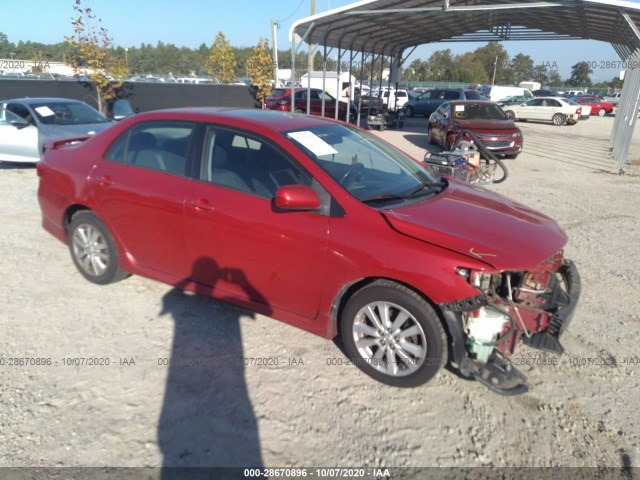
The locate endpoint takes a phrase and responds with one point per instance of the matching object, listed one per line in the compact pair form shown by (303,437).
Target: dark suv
(429,101)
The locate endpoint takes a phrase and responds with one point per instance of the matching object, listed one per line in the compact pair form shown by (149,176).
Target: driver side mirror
(20,124)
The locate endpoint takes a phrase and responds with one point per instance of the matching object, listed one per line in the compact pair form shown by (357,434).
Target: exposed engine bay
(532,306)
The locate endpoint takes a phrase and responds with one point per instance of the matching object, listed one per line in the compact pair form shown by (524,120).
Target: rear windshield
(279,92)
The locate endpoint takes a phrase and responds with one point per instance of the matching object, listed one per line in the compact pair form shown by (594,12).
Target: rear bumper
(563,303)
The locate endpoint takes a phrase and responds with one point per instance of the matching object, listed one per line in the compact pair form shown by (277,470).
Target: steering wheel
(351,173)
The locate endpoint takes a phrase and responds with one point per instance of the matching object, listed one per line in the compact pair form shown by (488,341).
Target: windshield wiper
(439,185)
(427,185)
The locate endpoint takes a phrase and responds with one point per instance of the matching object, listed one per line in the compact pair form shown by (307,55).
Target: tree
(91,52)
(492,57)
(580,75)
(522,67)
(260,70)
(221,63)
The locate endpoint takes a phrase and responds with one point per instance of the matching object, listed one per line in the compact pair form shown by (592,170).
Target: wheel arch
(125,260)
(71,212)
(345,294)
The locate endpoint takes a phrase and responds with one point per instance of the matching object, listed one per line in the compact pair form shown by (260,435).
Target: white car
(613,99)
(26,124)
(558,110)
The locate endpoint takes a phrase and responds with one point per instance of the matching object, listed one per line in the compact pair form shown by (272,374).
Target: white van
(498,92)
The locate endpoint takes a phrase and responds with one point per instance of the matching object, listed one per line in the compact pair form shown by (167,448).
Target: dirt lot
(304,411)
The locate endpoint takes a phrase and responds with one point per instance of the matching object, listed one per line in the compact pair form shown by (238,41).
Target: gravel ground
(304,411)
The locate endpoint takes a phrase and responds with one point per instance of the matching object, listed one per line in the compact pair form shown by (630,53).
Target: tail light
(579,111)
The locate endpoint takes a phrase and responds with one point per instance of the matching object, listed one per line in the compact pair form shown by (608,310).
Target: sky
(189,23)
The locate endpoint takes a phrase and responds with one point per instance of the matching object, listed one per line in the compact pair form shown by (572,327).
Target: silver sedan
(26,124)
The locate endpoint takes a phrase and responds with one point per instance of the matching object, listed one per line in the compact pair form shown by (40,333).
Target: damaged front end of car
(534,307)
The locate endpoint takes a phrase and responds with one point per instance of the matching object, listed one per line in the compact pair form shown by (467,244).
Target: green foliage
(523,68)
(580,75)
(221,63)
(91,52)
(260,70)
(442,65)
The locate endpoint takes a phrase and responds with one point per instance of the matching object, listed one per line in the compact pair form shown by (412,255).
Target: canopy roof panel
(389,27)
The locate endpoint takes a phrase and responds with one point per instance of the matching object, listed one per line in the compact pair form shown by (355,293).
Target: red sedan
(280,99)
(599,106)
(486,119)
(321,225)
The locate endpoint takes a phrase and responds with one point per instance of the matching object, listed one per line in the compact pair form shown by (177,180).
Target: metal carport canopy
(388,27)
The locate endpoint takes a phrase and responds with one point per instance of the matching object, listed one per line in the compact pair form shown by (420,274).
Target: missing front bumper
(564,303)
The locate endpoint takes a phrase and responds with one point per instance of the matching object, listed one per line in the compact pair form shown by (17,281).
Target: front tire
(408,112)
(393,335)
(511,114)
(430,137)
(93,250)
(602,112)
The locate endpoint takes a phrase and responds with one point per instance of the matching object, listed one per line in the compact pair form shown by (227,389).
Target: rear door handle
(104,180)
(201,204)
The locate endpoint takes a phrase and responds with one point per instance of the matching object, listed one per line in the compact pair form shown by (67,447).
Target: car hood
(482,225)
(61,131)
(490,125)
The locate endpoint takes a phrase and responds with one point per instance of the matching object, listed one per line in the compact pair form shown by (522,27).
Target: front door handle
(104,180)
(201,204)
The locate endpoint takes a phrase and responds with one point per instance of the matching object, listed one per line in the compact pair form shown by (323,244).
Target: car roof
(251,118)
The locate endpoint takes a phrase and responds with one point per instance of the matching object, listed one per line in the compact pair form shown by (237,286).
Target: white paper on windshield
(313,142)
(44,111)
(459,108)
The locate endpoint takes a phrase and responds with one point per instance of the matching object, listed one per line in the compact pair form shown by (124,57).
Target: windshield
(368,168)
(67,113)
(478,112)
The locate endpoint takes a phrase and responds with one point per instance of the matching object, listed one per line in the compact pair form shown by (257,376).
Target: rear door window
(154,145)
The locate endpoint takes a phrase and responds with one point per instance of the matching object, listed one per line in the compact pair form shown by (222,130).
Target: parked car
(544,93)
(558,110)
(515,100)
(486,119)
(280,99)
(27,123)
(613,98)
(270,211)
(599,106)
(429,101)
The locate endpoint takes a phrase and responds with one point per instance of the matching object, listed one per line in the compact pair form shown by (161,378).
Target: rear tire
(393,335)
(93,250)
(511,114)
(559,119)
